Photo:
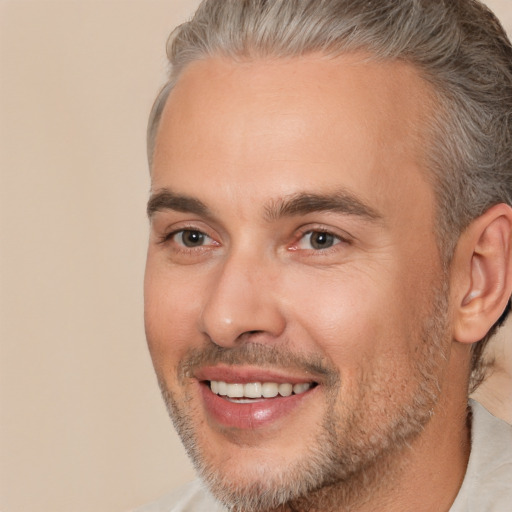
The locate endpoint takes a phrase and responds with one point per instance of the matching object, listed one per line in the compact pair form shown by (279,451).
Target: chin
(259,471)
(257,480)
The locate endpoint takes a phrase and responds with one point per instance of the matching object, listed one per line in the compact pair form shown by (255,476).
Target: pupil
(321,240)
(192,238)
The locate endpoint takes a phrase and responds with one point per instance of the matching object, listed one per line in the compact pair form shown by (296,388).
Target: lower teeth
(243,400)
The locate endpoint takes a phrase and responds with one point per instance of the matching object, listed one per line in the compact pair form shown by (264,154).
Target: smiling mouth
(252,391)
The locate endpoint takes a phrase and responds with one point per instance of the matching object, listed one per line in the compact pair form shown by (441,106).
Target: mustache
(257,354)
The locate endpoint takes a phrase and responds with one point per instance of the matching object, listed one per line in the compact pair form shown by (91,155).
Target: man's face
(292,253)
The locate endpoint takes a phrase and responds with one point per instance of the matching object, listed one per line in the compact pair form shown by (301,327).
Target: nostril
(250,335)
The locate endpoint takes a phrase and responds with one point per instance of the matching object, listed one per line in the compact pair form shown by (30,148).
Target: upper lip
(247,374)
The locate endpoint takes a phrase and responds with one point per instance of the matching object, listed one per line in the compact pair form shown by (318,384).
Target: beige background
(82,426)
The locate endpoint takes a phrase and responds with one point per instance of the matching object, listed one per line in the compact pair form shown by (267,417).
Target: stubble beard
(348,463)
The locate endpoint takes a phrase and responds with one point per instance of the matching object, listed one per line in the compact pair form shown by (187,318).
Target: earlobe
(482,269)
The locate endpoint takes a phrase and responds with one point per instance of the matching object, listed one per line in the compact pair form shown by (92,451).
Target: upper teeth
(257,389)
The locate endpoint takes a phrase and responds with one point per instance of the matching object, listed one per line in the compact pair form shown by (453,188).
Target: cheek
(354,318)
(170,315)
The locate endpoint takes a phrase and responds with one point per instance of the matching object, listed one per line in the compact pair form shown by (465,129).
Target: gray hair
(458,46)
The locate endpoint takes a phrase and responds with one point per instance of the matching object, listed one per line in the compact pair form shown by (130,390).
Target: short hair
(458,46)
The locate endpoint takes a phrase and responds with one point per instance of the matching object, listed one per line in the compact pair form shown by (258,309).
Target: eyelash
(167,237)
(338,239)
(181,247)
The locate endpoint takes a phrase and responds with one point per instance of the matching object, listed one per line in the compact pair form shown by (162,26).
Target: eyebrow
(338,202)
(167,200)
(295,205)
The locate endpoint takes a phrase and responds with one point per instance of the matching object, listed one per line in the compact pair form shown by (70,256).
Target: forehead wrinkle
(303,203)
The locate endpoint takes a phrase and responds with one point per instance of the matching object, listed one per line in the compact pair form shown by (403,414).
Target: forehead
(271,127)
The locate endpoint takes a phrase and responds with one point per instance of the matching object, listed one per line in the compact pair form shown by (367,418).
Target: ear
(481,274)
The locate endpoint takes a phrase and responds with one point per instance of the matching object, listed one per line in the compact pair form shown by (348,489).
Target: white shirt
(487,486)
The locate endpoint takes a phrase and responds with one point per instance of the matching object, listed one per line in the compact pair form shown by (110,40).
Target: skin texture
(370,318)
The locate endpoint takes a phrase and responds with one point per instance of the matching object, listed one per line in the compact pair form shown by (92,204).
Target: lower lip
(247,416)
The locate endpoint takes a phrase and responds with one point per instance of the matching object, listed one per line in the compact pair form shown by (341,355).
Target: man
(330,251)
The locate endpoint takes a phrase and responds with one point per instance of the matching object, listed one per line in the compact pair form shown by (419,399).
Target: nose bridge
(241,300)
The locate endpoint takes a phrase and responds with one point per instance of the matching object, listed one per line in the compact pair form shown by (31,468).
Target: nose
(241,303)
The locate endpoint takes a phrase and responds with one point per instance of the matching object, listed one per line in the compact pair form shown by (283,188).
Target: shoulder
(192,497)
(487,485)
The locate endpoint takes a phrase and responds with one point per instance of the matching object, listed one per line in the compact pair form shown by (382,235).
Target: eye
(317,240)
(191,238)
